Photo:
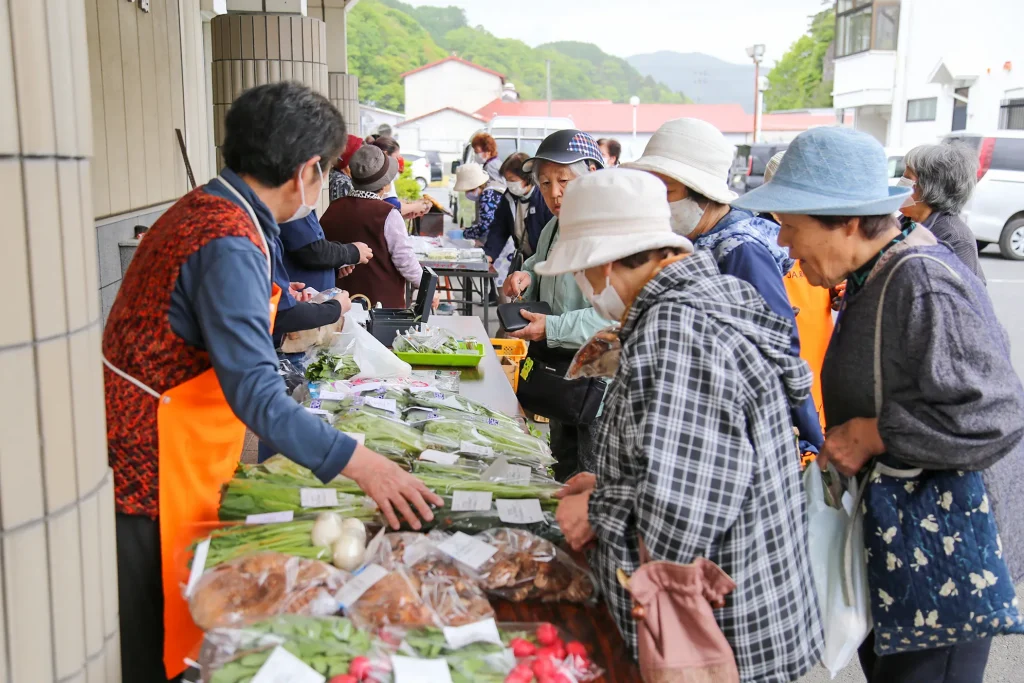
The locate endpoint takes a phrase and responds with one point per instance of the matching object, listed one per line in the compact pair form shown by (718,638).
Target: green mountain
(390,37)
(798,79)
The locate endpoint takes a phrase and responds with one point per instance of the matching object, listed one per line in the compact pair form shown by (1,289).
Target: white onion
(327,529)
(348,553)
(354,527)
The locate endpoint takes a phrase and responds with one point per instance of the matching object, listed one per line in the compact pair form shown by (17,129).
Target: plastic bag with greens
(384,435)
(434,399)
(487,442)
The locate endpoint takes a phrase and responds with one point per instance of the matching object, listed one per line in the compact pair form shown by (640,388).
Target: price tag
(388,404)
(520,511)
(333,396)
(284,667)
(359,437)
(470,501)
(413,670)
(317,411)
(270,517)
(485,631)
(199,564)
(318,498)
(440,458)
(468,550)
(476,449)
(500,470)
(360,583)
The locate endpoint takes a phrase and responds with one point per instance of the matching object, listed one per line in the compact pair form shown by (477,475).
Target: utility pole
(756,53)
(548,65)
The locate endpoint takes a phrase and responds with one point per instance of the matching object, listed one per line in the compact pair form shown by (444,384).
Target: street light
(635,101)
(756,53)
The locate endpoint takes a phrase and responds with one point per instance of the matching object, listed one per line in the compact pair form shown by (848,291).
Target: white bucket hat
(609,215)
(693,152)
(470,177)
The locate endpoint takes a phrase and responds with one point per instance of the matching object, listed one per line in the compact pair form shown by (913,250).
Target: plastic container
(511,353)
(466,358)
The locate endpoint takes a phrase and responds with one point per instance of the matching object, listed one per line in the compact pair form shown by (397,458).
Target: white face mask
(907,182)
(304,208)
(608,303)
(519,189)
(481,158)
(686,214)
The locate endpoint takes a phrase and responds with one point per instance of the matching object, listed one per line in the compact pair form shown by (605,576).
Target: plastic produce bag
(373,358)
(846,623)
(599,357)
(384,435)
(487,441)
(449,401)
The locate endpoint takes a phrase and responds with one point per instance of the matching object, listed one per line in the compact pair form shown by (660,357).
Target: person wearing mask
(943,178)
(611,150)
(692,158)
(472,178)
(341,176)
(366,217)
(522,213)
(189,363)
(694,451)
(409,210)
(918,375)
(561,158)
(486,150)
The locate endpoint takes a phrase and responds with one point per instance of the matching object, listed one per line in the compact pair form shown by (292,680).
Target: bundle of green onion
(242,497)
(238,540)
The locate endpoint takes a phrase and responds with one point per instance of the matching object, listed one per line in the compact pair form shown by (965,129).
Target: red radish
(344,678)
(520,675)
(543,666)
(578,650)
(522,648)
(360,668)
(547,634)
(556,652)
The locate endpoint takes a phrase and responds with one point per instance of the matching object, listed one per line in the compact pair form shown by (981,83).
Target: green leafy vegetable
(246,496)
(383,435)
(329,367)
(452,434)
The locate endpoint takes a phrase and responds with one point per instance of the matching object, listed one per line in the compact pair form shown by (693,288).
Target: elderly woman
(943,178)
(703,472)
(488,193)
(522,214)
(692,158)
(486,149)
(562,157)
(918,375)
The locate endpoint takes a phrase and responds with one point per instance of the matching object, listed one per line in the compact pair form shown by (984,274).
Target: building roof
(453,58)
(598,116)
(438,111)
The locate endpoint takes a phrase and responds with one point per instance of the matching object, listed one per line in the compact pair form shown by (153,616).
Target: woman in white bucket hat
(692,158)
(694,451)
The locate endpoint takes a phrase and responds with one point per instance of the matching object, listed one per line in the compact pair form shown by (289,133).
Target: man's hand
(365,253)
(345,271)
(579,483)
(391,487)
(295,289)
(516,283)
(573,516)
(536,330)
(346,303)
(851,445)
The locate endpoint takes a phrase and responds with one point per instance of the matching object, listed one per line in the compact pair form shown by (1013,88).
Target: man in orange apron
(189,363)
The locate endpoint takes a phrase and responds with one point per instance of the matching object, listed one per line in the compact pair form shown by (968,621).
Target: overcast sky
(723,28)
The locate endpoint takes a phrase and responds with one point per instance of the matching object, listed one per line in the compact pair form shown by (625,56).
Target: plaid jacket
(696,454)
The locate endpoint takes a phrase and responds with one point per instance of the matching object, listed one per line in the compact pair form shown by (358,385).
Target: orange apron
(200,443)
(813,324)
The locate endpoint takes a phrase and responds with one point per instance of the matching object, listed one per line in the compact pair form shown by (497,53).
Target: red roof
(604,117)
(453,58)
(454,109)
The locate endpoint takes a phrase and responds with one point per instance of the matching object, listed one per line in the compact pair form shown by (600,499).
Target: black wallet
(512,321)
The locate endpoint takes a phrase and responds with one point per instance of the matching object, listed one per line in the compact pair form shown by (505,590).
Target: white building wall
(445,131)
(449,84)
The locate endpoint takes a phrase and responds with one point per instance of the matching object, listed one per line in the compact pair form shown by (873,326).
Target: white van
(995,212)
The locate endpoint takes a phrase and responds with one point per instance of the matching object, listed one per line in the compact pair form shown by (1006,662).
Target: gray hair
(946,174)
(578,168)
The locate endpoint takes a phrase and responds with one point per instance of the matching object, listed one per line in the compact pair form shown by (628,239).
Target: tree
(796,82)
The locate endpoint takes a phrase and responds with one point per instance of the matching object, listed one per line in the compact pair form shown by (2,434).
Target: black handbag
(544,390)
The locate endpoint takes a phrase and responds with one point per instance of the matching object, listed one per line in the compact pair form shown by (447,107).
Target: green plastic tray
(451,360)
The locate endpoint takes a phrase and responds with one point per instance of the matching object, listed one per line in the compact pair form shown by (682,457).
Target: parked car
(757,160)
(436,166)
(996,210)
(421,170)
(896,166)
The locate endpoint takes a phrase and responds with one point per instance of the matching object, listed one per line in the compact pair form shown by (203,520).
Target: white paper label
(270,517)
(476,449)
(332,396)
(388,404)
(440,458)
(501,470)
(368,386)
(520,511)
(360,583)
(359,437)
(469,501)
(468,550)
(317,411)
(413,670)
(284,667)
(485,631)
(198,565)
(318,498)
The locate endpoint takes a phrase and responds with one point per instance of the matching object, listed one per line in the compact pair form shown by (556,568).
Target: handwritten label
(500,470)
(468,550)
(284,667)
(440,458)
(318,498)
(359,437)
(270,517)
(360,583)
(476,449)
(413,670)
(469,501)
(485,631)
(198,565)
(388,404)
(520,511)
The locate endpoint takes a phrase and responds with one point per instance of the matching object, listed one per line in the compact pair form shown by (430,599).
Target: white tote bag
(846,623)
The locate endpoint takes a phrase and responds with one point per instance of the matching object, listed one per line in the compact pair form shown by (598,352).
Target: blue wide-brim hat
(829,172)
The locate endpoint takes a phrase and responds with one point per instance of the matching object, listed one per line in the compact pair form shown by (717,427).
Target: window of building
(1011,115)
(863,25)
(922,110)
(960,108)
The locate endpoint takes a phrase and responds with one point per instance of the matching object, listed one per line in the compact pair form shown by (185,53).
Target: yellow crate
(511,353)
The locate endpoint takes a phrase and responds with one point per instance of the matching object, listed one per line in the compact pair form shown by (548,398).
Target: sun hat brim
(465,184)
(384,181)
(778,197)
(712,187)
(573,255)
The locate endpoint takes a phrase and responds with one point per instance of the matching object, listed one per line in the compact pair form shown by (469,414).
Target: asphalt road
(1006,287)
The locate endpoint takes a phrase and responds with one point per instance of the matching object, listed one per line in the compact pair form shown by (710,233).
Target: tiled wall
(109,232)
(58,573)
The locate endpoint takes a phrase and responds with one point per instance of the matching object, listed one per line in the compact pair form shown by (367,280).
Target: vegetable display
(457,434)
(329,367)
(248,496)
(384,435)
(452,401)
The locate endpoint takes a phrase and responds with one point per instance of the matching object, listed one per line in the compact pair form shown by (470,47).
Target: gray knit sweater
(951,398)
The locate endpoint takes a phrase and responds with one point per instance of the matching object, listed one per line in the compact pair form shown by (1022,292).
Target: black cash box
(387,323)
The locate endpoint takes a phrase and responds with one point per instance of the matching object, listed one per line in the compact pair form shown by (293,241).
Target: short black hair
(514,165)
(271,130)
